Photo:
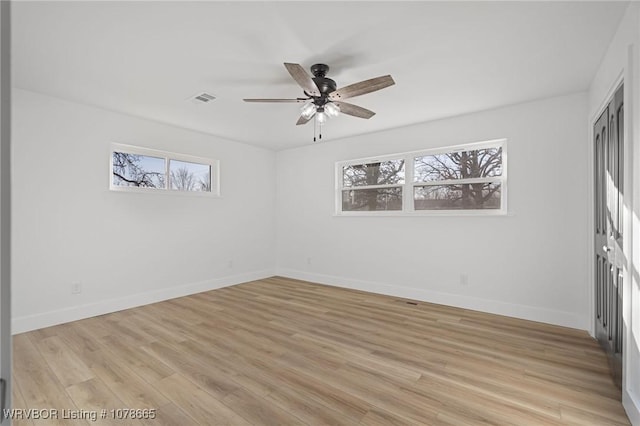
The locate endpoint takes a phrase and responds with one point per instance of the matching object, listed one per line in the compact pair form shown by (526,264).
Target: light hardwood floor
(281,351)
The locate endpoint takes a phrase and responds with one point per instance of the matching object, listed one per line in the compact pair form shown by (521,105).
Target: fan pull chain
(317,127)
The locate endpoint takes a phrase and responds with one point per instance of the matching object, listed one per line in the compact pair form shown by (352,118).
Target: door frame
(604,103)
(5,205)
(623,77)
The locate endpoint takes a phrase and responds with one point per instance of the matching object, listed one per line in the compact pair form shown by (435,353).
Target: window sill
(440,213)
(159,191)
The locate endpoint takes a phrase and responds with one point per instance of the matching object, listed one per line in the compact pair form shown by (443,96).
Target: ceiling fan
(322,97)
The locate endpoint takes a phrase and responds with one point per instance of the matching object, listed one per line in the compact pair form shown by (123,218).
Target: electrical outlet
(230,264)
(464,279)
(308,261)
(76,287)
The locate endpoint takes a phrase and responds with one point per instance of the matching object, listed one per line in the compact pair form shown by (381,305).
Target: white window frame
(409,185)
(167,156)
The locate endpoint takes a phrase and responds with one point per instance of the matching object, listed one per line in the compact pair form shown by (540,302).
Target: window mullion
(167,174)
(407,191)
(355,188)
(339,186)
(460,181)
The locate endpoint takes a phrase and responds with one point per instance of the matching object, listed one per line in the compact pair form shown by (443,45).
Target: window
(188,176)
(373,186)
(467,179)
(142,169)
(458,180)
(136,170)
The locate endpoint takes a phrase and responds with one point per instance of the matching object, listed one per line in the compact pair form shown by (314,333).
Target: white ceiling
(447,58)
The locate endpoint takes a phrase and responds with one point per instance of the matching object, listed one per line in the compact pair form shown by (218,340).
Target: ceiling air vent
(202,98)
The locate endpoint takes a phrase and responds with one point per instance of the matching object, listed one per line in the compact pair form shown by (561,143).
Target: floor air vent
(406,302)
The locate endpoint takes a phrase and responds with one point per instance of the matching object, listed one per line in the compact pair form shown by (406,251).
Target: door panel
(608,233)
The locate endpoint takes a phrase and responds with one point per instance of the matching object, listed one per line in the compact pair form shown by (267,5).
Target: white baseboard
(532,313)
(632,407)
(60,316)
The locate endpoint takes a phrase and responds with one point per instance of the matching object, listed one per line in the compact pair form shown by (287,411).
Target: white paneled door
(609,233)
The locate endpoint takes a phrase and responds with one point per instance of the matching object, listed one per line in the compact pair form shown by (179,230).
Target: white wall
(622,60)
(126,249)
(530,264)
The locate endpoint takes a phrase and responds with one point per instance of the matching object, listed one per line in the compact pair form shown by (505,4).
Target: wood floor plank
(257,410)
(379,417)
(169,415)
(159,330)
(38,384)
(124,382)
(351,408)
(207,376)
(137,359)
(581,417)
(96,326)
(284,351)
(197,403)
(65,364)
(78,338)
(246,376)
(19,401)
(93,395)
(303,407)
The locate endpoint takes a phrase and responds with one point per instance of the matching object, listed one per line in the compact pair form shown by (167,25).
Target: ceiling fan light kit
(321,117)
(308,110)
(323,99)
(332,109)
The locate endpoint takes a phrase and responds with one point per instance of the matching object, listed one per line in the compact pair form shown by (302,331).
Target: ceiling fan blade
(275,100)
(355,110)
(361,88)
(302,78)
(303,120)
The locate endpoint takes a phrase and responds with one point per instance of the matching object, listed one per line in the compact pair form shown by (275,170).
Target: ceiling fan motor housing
(325,84)
(319,70)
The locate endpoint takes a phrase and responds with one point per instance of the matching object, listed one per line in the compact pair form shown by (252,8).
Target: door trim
(604,103)
(5,205)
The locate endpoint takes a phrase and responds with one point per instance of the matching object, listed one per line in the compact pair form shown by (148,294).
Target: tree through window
(373,186)
(138,170)
(468,176)
(471,177)
(134,168)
